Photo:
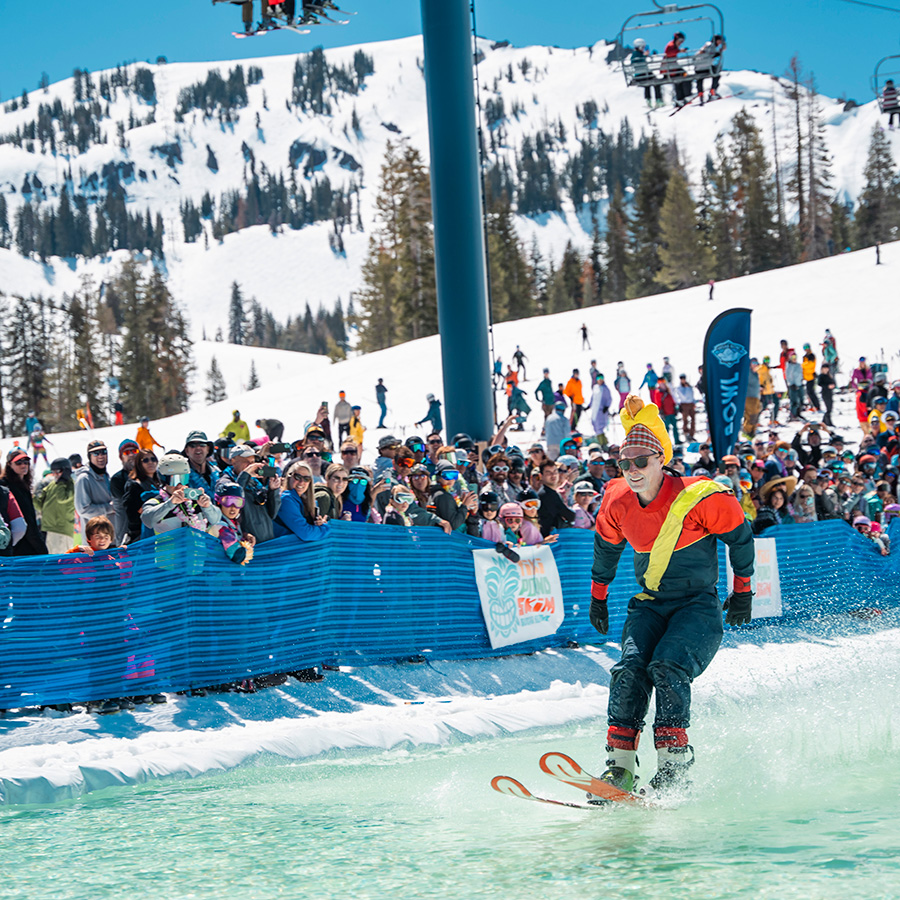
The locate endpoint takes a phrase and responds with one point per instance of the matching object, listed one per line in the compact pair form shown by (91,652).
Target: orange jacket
(145,440)
(573,391)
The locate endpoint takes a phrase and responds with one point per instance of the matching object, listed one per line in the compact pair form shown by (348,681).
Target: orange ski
(564,768)
(504,784)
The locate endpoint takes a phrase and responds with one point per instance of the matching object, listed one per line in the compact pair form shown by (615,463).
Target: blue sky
(840,42)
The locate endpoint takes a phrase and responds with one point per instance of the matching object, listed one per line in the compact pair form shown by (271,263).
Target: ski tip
(505,784)
(556,764)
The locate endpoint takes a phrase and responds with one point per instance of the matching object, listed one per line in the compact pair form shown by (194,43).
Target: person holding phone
(261,485)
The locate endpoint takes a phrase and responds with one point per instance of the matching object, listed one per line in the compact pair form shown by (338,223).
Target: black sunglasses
(640,461)
(312,455)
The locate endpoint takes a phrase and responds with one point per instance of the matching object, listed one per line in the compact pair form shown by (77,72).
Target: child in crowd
(395,514)
(530,528)
(585,515)
(238,547)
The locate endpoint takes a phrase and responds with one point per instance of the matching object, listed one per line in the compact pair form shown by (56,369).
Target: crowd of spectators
(245,491)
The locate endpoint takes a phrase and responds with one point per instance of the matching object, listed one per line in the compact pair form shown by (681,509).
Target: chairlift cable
(871,5)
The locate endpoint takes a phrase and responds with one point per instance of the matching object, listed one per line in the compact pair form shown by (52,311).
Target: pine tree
(512,295)
(645,227)
(755,228)
(236,320)
(254,381)
(617,253)
(565,285)
(5,233)
(685,259)
(878,208)
(82,325)
(215,384)
(415,313)
(817,241)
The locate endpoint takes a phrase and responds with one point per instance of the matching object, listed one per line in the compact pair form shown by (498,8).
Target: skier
(829,352)
(37,439)
(145,440)
(889,102)
(671,68)
(380,396)
(585,343)
(641,74)
(708,61)
(544,393)
(32,423)
(600,402)
(343,411)
(433,415)
(674,625)
(668,372)
(576,396)
(622,384)
(237,428)
(274,428)
(520,358)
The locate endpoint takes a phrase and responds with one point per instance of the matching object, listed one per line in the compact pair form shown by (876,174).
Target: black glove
(739,606)
(599,615)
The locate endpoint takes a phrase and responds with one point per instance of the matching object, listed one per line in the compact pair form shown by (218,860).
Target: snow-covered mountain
(540,88)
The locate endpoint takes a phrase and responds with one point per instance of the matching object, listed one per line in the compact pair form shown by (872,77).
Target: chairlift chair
(887,69)
(655,68)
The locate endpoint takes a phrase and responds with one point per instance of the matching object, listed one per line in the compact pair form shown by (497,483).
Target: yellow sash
(664,545)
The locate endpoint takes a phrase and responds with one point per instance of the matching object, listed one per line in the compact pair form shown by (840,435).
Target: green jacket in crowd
(56,505)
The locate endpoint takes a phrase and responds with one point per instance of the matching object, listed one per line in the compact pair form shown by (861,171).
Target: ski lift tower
(460,258)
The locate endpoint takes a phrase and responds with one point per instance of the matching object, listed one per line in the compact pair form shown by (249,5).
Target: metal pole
(460,268)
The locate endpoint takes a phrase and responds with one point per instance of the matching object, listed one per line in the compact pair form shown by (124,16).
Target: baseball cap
(242,450)
(95,445)
(388,441)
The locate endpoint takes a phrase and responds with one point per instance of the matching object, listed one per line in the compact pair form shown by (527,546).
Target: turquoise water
(797,785)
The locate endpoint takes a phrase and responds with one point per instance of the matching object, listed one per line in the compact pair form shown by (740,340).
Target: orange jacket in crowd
(573,391)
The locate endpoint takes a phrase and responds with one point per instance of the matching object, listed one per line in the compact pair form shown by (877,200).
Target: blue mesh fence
(174,613)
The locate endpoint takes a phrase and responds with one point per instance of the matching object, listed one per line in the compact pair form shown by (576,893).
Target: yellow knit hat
(634,412)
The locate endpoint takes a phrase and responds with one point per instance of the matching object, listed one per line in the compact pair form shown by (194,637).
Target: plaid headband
(641,436)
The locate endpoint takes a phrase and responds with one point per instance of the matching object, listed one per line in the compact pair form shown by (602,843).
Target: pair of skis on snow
(687,103)
(563,768)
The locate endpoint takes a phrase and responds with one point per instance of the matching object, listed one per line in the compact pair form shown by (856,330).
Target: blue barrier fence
(174,613)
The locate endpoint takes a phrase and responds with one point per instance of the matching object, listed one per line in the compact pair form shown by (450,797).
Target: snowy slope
(287,270)
(796,303)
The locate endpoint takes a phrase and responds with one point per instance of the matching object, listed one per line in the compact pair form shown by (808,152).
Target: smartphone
(325,404)
(268,472)
(279,448)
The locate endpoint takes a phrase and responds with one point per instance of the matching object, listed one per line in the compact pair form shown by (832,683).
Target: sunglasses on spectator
(312,455)
(449,476)
(129,451)
(499,468)
(190,446)
(236,502)
(103,452)
(512,518)
(434,443)
(359,481)
(147,459)
(351,451)
(340,479)
(640,461)
(19,460)
(301,478)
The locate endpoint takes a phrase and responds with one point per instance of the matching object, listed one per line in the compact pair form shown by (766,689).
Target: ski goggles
(449,475)
(490,506)
(175,480)
(499,468)
(404,498)
(640,462)
(236,502)
(416,447)
(530,504)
